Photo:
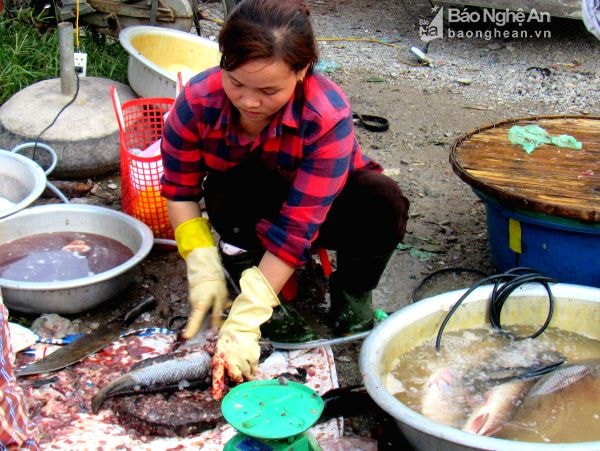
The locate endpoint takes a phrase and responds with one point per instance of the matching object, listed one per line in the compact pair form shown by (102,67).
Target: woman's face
(260,88)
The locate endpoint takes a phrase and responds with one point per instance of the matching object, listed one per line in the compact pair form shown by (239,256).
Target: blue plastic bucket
(565,249)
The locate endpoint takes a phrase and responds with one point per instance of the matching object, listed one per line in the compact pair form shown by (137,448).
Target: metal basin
(577,309)
(77,295)
(22,181)
(156,55)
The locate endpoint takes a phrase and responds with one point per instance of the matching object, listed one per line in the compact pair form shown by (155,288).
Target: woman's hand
(207,288)
(237,350)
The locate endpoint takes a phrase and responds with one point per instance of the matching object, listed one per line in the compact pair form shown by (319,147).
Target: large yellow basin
(157,54)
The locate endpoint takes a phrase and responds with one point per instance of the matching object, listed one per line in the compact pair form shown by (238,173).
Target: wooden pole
(68,78)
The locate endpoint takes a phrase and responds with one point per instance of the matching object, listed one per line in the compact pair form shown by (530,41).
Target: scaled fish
(564,377)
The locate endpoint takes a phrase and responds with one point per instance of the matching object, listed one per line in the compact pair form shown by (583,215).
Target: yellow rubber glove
(206,280)
(237,350)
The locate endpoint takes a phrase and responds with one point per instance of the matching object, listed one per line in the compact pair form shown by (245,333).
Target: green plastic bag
(532,136)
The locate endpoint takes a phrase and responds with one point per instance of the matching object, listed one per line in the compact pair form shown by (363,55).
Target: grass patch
(29,52)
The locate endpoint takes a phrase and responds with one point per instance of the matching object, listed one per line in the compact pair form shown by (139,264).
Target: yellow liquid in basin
(451,386)
(176,55)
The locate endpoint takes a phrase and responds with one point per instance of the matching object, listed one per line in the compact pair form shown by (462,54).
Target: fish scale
(178,369)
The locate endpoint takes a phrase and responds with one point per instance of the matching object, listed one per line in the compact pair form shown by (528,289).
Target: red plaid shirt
(15,432)
(310,141)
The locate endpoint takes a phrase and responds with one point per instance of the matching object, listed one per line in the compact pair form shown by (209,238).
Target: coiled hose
(504,285)
(47,171)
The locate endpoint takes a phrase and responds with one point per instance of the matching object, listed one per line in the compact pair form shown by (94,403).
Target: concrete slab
(85,135)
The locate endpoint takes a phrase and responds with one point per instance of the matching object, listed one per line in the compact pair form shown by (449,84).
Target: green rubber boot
(350,313)
(286,325)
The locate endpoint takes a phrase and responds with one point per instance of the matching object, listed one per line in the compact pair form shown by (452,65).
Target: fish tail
(119,385)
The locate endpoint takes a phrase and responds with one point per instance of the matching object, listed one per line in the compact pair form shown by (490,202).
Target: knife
(90,343)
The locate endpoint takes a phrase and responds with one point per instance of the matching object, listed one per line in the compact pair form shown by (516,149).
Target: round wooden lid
(554,180)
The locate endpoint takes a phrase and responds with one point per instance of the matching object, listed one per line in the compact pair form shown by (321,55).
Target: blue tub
(565,249)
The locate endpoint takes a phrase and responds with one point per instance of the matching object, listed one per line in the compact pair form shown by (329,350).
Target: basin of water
(577,310)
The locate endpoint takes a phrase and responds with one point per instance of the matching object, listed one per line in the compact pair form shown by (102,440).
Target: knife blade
(88,344)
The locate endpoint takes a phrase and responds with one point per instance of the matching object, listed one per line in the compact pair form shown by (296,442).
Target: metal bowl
(577,309)
(77,295)
(22,181)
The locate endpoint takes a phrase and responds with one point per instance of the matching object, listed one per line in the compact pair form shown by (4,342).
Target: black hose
(504,284)
(433,274)
(35,143)
(501,293)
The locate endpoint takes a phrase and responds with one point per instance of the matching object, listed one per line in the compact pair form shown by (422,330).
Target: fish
(498,408)
(77,247)
(563,408)
(444,400)
(173,404)
(564,377)
(502,400)
(188,367)
(451,391)
(164,373)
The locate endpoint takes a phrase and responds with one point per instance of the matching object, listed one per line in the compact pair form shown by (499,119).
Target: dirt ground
(428,107)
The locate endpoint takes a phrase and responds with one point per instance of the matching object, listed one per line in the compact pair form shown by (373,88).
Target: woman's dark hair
(268,29)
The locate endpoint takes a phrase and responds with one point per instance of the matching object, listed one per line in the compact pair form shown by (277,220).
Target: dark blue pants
(364,225)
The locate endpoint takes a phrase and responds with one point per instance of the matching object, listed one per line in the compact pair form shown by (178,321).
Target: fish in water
(451,391)
(159,374)
(498,408)
(444,399)
(502,400)
(564,377)
(562,407)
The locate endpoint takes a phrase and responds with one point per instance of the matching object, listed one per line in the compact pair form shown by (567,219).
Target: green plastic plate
(269,409)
